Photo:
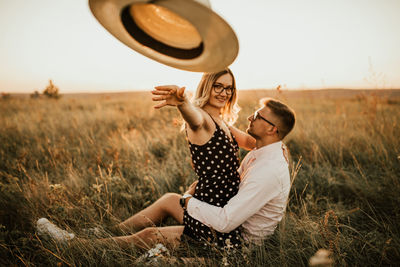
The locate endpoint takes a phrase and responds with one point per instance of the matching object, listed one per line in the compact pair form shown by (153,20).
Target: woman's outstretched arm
(172,95)
(244,140)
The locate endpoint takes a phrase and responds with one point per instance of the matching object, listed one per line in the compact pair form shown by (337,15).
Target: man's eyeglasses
(256,115)
(218,88)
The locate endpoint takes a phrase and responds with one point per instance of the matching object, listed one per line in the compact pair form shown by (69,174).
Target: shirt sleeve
(257,189)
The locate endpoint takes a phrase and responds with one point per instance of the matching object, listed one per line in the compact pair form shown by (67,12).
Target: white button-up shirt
(261,200)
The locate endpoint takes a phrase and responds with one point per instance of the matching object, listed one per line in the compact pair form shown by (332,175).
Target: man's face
(261,123)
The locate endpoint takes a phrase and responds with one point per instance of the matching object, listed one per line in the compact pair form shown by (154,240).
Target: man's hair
(231,109)
(284,113)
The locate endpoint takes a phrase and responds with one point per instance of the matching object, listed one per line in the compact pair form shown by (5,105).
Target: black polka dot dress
(215,164)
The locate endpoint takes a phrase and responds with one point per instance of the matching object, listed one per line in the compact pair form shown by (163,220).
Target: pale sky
(296,43)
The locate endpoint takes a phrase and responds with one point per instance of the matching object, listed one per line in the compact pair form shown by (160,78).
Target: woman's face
(223,84)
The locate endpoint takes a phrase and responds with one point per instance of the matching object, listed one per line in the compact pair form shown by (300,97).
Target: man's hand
(192,188)
(171,95)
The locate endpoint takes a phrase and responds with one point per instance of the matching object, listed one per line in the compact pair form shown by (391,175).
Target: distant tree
(51,91)
(35,94)
(5,96)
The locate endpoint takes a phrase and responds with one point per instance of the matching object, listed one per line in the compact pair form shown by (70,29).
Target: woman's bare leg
(169,236)
(167,205)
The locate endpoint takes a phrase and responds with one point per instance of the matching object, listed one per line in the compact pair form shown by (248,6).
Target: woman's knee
(171,197)
(172,207)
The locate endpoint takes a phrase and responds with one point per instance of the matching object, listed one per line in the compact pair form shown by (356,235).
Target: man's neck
(266,141)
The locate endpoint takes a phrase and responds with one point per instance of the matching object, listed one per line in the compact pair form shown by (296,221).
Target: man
(258,206)
(265,180)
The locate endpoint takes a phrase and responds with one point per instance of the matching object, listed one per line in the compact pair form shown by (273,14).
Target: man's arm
(259,188)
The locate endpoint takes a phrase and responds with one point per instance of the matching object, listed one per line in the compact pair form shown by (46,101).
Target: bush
(35,95)
(5,96)
(51,91)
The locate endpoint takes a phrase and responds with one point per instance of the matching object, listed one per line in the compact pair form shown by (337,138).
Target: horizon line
(247,89)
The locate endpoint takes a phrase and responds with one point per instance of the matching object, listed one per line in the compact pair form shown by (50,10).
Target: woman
(212,145)
(214,150)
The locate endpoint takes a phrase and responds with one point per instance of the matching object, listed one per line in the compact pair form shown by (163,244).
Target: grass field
(88,160)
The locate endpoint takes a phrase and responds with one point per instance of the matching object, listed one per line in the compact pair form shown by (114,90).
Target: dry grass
(94,160)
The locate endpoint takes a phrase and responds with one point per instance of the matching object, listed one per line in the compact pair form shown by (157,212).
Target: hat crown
(165,26)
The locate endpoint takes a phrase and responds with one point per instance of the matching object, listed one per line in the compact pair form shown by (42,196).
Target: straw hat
(184,34)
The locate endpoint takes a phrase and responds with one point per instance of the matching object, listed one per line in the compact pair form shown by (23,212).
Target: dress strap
(216,124)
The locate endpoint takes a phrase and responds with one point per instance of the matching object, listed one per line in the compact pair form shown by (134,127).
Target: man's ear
(273,130)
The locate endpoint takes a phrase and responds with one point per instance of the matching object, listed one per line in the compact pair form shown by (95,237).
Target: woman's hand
(192,188)
(171,95)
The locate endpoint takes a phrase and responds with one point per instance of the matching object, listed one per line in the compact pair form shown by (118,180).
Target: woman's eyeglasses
(218,88)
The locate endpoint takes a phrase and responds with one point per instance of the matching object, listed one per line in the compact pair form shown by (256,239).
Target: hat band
(143,38)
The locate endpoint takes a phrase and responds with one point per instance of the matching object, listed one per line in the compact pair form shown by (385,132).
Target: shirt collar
(270,149)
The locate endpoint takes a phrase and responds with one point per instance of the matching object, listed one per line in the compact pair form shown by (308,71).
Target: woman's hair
(203,92)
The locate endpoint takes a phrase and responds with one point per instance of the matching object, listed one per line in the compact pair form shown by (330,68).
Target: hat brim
(218,49)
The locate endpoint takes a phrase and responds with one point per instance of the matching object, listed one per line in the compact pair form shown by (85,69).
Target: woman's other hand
(170,95)
(192,188)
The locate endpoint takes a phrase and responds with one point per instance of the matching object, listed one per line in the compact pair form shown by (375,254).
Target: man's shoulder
(272,163)
(275,168)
